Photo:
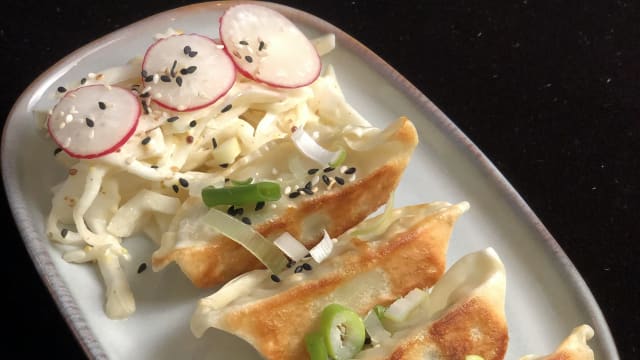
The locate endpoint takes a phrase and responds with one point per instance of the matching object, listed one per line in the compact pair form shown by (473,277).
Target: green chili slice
(241,194)
(343,330)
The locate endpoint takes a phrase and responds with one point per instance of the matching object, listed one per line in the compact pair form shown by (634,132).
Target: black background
(548,90)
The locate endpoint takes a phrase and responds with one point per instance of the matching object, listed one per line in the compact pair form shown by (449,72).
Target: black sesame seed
(226,108)
(350,171)
(239,211)
(56,151)
(259,205)
(326,180)
(298,269)
(193,123)
(275,278)
(83,81)
(246,220)
(146,140)
(339,180)
(261,46)
(308,185)
(214,143)
(175,188)
(243,42)
(179,81)
(193,53)
(191,69)
(142,267)
(328,169)
(61,89)
(172,119)
(306,191)
(90,123)
(154,166)
(231,210)
(145,107)
(144,73)
(307,266)
(165,78)
(184,71)
(64,233)
(183,182)
(249,59)
(187,49)
(312,171)
(149,78)
(172,72)
(294,194)
(224,166)
(102,105)
(145,95)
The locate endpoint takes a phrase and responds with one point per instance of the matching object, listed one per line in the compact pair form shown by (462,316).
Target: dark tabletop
(550,93)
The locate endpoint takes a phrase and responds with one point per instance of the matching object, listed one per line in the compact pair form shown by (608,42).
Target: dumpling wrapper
(463,315)
(379,156)
(275,317)
(574,347)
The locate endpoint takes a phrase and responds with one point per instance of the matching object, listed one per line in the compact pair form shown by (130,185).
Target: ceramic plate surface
(546,297)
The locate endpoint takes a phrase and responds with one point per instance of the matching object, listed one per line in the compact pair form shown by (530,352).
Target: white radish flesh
(95,120)
(268,48)
(187,72)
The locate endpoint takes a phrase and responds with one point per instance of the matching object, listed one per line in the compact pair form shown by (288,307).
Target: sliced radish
(268,48)
(94,120)
(187,72)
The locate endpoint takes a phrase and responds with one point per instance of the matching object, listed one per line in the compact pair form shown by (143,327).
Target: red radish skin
(270,20)
(126,101)
(217,78)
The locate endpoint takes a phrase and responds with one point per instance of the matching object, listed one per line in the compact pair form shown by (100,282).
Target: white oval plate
(546,297)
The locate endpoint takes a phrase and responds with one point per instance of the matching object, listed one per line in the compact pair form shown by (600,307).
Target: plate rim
(56,285)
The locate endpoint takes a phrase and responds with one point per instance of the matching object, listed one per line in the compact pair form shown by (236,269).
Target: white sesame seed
(92,134)
(67,142)
(68,118)
(273,206)
(61,113)
(181,107)
(157,95)
(62,125)
(343,168)
(146,90)
(287,190)
(315,134)
(315,180)
(352,177)
(156,78)
(91,75)
(315,189)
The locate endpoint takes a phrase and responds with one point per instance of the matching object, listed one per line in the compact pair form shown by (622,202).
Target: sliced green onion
(241,194)
(316,347)
(400,309)
(242,182)
(308,146)
(323,249)
(379,310)
(291,246)
(263,249)
(374,328)
(343,331)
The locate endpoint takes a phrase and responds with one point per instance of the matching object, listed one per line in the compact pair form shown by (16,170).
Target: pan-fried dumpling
(314,198)
(406,251)
(462,315)
(573,347)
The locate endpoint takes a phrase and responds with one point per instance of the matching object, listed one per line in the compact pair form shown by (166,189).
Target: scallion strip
(263,249)
(241,194)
